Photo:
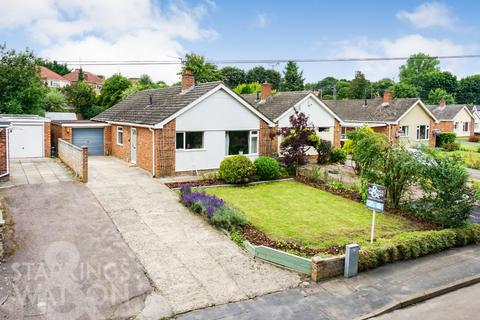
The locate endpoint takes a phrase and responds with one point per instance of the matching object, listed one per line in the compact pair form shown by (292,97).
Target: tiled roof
(446,113)
(370,110)
(165,102)
(47,74)
(88,76)
(276,104)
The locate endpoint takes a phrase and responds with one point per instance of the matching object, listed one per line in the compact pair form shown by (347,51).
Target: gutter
(129,124)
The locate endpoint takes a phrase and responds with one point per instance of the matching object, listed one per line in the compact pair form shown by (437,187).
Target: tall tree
(405,90)
(417,65)
(203,71)
(438,94)
(342,89)
(468,90)
(21,90)
(81,75)
(232,76)
(261,75)
(145,81)
(60,68)
(359,87)
(436,80)
(55,100)
(81,96)
(292,78)
(379,87)
(112,90)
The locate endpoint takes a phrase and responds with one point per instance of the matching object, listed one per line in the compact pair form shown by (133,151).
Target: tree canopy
(359,87)
(112,89)
(233,76)
(203,71)
(60,68)
(292,78)
(417,65)
(81,96)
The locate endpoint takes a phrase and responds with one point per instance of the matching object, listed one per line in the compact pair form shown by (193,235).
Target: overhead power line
(254,61)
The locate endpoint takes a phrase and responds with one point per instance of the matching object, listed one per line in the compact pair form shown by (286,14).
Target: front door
(134,145)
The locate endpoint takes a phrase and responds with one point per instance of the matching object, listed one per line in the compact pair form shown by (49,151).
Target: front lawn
(292,211)
(470,158)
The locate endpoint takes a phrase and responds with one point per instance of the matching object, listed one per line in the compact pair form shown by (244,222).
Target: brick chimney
(442,103)
(266,91)
(188,80)
(387,96)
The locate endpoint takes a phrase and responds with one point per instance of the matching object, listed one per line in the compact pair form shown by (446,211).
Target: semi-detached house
(183,129)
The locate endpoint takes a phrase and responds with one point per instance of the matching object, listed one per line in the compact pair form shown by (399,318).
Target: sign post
(376,202)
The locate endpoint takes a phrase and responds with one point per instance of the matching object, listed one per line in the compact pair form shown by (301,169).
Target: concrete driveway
(36,171)
(71,263)
(191,264)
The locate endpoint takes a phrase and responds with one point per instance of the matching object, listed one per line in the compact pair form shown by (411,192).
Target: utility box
(352,252)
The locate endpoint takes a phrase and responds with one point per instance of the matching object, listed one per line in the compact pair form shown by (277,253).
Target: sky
(225,30)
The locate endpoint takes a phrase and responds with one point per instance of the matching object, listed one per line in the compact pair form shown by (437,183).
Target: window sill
(190,150)
(119,144)
(245,154)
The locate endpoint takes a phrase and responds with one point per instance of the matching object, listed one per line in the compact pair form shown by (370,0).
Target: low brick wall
(74,157)
(329,267)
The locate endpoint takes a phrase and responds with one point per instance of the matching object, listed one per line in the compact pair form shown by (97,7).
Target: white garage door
(26,140)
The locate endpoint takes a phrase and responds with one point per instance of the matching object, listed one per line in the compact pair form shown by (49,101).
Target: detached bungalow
(476,116)
(280,106)
(184,129)
(454,118)
(407,119)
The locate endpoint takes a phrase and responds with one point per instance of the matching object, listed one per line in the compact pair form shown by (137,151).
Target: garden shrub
(267,168)
(324,148)
(445,138)
(228,218)
(337,155)
(412,245)
(237,169)
(451,146)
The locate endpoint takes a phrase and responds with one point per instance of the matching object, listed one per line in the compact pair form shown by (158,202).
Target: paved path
(458,305)
(191,264)
(342,298)
(36,171)
(71,263)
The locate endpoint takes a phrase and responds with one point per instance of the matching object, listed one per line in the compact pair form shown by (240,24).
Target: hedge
(445,138)
(416,244)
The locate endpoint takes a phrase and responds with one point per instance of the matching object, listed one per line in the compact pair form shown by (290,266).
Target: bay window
(189,140)
(241,142)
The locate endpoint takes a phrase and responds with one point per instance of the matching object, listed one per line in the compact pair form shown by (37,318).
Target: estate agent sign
(376,202)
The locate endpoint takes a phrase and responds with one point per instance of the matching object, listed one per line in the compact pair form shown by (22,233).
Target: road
(458,305)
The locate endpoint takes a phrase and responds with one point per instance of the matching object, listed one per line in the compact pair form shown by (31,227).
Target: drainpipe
(7,158)
(153,151)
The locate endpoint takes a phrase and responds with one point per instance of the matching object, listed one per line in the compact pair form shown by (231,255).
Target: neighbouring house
(280,106)
(407,120)
(82,133)
(476,116)
(93,80)
(185,129)
(4,152)
(53,79)
(28,136)
(454,118)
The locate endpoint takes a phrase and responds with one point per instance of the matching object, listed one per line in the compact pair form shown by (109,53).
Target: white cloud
(110,30)
(260,21)
(399,47)
(429,15)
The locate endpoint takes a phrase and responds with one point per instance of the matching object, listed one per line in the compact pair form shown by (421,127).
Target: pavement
(356,297)
(191,264)
(71,263)
(36,171)
(458,305)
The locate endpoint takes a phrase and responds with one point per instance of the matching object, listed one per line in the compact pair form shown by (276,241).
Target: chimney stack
(442,103)
(387,96)
(188,80)
(266,91)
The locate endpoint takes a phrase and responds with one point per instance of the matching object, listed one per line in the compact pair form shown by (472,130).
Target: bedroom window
(120,136)
(241,142)
(423,132)
(466,126)
(189,140)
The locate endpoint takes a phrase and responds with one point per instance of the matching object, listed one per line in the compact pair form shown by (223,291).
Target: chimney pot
(387,96)
(266,91)
(188,80)
(442,103)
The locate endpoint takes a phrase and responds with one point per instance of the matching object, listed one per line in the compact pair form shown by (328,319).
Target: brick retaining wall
(75,158)
(329,267)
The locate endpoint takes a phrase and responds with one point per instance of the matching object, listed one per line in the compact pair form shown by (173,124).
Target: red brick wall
(144,146)
(47,140)
(265,147)
(431,138)
(57,131)
(107,140)
(472,128)
(165,150)
(3,153)
(444,126)
(337,131)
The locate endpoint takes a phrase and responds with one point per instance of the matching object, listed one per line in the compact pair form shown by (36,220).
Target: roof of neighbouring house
(476,108)
(371,110)
(166,102)
(61,115)
(88,76)
(46,73)
(277,104)
(448,112)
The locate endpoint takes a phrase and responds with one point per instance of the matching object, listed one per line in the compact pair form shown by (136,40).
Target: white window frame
(455,125)
(427,132)
(119,130)
(251,134)
(184,133)
(323,129)
(467,125)
(405,132)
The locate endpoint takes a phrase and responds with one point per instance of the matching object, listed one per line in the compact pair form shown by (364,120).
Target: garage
(27,136)
(90,137)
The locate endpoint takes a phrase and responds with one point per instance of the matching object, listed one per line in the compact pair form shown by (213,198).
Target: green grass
(471,159)
(292,211)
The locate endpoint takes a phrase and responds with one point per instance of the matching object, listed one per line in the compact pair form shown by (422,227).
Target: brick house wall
(165,150)
(107,140)
(47,140)
(444,126)
(266,143)
(472,128)
(431,139)
(57,131)
(337,131)
(3,154)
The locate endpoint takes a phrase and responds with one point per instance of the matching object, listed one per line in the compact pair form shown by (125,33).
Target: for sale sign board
(375,197)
